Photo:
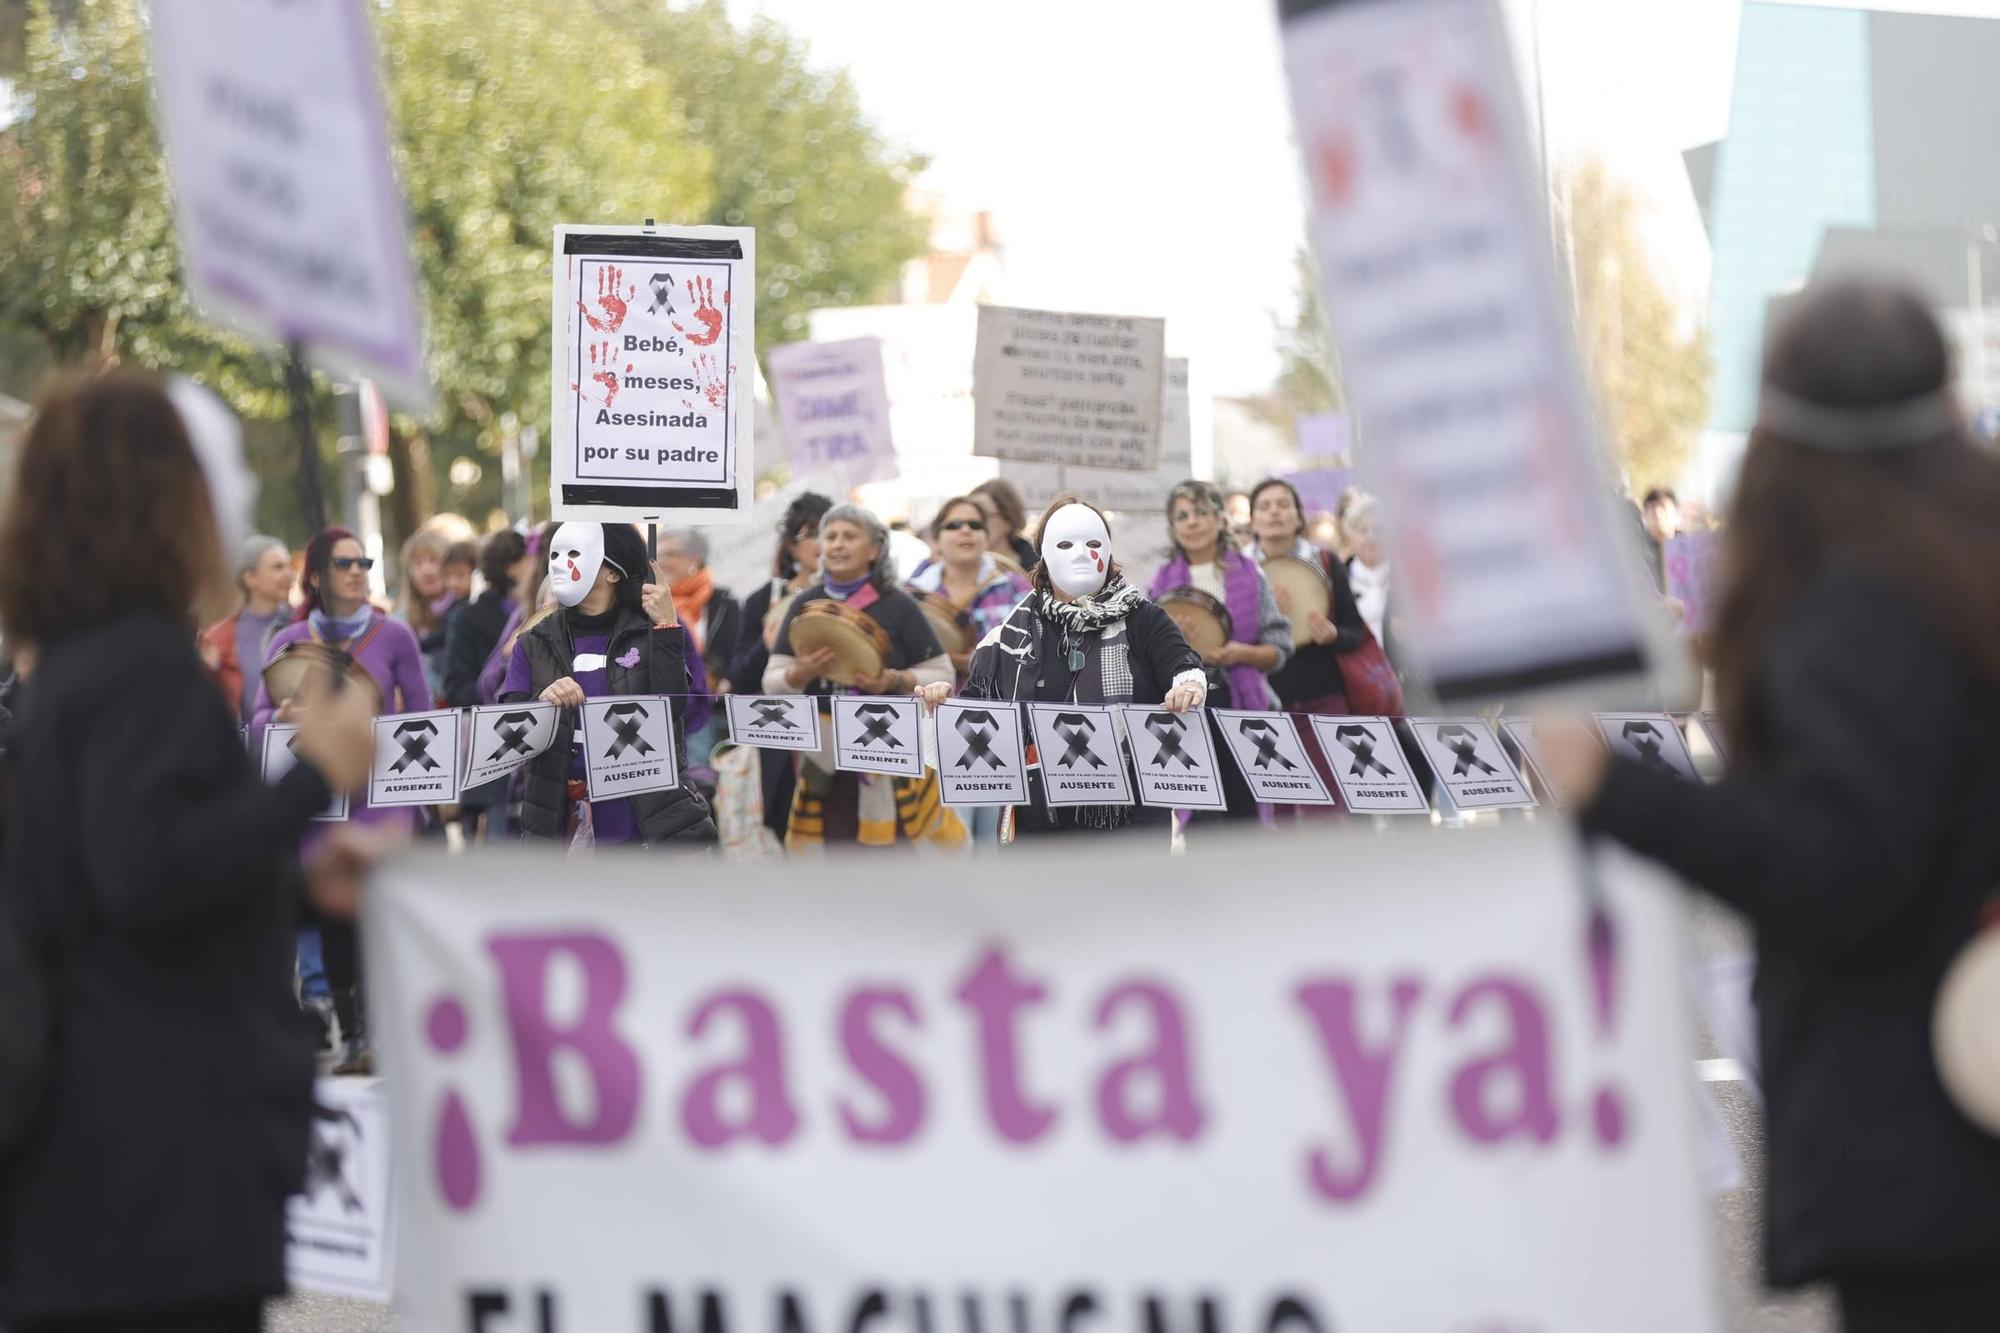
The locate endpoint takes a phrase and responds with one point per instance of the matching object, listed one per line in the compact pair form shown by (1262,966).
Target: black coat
(1857,835)
(145,840)
(471,635)
(721,625)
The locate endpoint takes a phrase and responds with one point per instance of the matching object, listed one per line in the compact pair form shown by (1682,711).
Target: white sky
(1137,153)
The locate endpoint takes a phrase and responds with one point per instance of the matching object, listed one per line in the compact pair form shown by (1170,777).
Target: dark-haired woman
(615,633)
(1006,521)
(152,874)
(1083,636)
(1857,664)
(794,566)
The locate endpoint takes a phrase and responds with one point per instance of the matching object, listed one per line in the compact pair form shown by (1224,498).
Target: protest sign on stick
(1068,389)
(1118,488)
(833,404)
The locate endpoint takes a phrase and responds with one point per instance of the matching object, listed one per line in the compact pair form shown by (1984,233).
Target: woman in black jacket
(148,871)
(794,567)
(1857,654)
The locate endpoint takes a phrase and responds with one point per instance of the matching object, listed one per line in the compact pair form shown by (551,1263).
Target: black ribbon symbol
(511,730)
(1265,737)
(1464,745)
(1167,729)
(415,738)
(1644,738)
(1077,730)
(662,284)
(624,720)
(773,713)
(1360,743)
(979,727)
(879,717)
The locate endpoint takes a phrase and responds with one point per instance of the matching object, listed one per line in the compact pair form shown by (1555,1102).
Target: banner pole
(298,387)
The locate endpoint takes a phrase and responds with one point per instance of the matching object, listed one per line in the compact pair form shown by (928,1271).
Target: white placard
(1066,1078)
(628,745)
(651,383)
(1078,752)
(1455,350)
(290,224)
(834,406)
(503,737)
(1113,489)
(1174,756)
(1369,766)
(1521,731)
(416,759)
(1650,739)
(280,757)
(981,757)
(878,734)
(339,1230)
(1471,764)
(774,721)
(1060,388)
(1272,755)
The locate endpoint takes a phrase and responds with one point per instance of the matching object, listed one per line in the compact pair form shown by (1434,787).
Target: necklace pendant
(1075,660)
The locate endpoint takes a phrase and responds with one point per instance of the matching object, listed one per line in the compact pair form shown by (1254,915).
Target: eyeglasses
(343,563)
(960,524)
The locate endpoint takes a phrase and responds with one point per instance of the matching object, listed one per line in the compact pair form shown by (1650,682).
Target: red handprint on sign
(609,301)
(714,386)
(702,292)
(607,378)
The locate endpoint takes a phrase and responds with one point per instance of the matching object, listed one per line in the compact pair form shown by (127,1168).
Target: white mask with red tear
(575,556)
(1076,547)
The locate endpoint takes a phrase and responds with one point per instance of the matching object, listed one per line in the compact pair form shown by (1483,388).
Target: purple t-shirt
(610,821)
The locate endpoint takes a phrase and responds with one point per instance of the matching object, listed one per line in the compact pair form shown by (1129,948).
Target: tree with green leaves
(1308,379)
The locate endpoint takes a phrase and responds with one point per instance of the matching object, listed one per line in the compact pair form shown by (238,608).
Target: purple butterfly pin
(630,658)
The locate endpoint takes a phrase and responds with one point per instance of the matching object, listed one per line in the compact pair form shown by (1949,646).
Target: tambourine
(860,646)
(286,673)
(953,626)
(775,615)
(1203,619)
(1965,1030)
(1305,588)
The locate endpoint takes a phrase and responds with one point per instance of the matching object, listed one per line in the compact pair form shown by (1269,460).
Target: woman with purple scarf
(1205,560)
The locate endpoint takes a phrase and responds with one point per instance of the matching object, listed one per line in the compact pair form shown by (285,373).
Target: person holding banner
(1084,636)
(152,878)
(1857,664)
(614,634)
(471,638)
(829,805)
(794,567)
(1257,639)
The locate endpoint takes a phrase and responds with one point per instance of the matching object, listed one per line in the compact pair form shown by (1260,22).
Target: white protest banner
(1521,731)
(1369,767)
(628,745)
(1651,739)
(1115,489)
(1471,765)
(1079,755)
(504,737)
(338,1230)
(982,759)
(1455,351)
(1272,755)
(876,734)
(774,722)
(1725,984)
(833,404)
(290,224)
(281,753)
(1055,1080)
(1174,757)
(416,759)
(1069,389)
(655,345)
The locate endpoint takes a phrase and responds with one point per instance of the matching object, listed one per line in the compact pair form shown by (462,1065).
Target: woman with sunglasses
(335,611)
(965,573)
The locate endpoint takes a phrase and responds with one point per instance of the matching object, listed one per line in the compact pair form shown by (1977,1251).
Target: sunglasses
(343,563)
(960,524)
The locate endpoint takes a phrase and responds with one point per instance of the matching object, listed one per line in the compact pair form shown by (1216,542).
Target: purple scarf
(1247,686)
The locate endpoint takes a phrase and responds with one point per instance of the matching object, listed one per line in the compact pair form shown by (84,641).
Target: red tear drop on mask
(575,574)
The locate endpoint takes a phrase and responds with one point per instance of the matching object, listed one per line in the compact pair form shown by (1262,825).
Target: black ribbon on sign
(1644,738)
(415,738)
(1168,729)
(1077,730)
(1360,743)
(979,727)
(624,720)
(774,713)
(879,717)
(1265,737)
(511,730)
(1466,747)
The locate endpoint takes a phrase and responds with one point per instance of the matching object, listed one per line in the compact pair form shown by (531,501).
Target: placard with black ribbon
(505,736)
(416,759)
(1174,757)
(1471,765)
(1369,766)
(281,753)
(1081,760)
(774,722)
(1649,739)
(628,745)
(878,734)
(981,757)
(1272,755)
(1520,732)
